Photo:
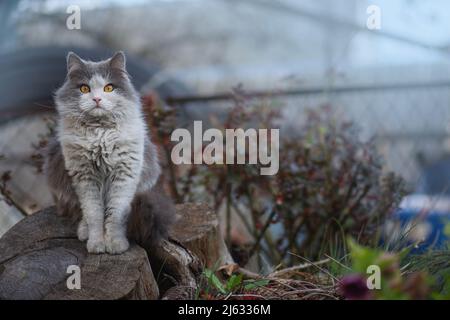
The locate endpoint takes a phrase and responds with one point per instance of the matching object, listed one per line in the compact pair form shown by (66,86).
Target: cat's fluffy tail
(152,215)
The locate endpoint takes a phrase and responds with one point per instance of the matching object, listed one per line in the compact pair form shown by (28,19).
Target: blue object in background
(425,213)
(424,228)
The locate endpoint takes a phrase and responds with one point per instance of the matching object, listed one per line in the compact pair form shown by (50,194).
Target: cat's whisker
(44,106)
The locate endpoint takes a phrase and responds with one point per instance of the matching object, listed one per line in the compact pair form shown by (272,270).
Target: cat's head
(96,89)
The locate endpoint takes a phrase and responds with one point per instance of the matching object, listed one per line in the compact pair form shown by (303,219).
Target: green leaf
(253,284)
(215,281)
(234,282)
(362,257)
(447,229)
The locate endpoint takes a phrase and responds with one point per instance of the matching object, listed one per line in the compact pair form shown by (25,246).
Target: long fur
(101,167)
(152,212)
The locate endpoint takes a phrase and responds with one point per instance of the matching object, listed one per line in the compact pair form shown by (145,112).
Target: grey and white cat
(101,166)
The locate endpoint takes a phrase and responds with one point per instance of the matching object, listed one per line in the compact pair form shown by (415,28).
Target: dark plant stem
(256,245)
(228,214)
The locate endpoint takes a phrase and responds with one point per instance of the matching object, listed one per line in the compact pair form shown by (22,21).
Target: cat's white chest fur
(102,150)
(100,147)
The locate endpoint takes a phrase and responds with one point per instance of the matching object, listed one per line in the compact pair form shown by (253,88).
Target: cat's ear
(73,61)
(118,60)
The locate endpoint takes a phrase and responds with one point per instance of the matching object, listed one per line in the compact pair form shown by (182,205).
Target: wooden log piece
(36,253)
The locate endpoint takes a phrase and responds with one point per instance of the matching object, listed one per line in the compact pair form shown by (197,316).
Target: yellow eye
(108,88)
(85,89)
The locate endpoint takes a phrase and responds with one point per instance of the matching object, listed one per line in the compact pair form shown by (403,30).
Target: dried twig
(285,271)
(315,265)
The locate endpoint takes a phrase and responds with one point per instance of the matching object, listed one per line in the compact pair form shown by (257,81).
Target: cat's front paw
(83,231)
(96,246)
(117,245)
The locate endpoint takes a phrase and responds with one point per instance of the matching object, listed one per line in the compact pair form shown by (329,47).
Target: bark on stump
(35,255)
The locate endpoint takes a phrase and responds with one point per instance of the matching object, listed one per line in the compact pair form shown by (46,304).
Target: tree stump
(36,253)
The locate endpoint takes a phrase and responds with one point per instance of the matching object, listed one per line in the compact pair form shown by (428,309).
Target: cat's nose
(97,100)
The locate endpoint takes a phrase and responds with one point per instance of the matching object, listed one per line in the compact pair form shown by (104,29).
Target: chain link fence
(409,122)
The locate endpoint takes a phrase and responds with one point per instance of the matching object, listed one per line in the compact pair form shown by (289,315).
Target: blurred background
(392,83)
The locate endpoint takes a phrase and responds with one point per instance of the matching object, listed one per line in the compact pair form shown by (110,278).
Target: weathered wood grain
(35,255)
(36,252)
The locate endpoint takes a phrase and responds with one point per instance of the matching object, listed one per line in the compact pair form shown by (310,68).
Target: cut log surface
(36,255)
(199,231)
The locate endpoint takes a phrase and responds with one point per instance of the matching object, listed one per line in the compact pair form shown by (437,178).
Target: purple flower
(354,287)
